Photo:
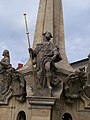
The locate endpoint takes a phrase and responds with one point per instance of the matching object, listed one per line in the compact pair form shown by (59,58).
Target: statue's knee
(47,66)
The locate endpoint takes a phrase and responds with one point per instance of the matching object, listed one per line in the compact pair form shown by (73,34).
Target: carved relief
(88,71)
(18,84)
(87,87)
(85,96)
(74,85)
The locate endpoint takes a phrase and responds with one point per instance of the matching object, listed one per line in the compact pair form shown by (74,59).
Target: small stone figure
(88,71)
(18,84)
(12,82)
(5,62)
(87,86)
(4,65)
(45,55)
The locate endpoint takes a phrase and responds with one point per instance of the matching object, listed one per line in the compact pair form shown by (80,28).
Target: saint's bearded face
(48,35)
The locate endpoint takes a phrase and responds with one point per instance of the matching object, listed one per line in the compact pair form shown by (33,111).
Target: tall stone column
(50,18)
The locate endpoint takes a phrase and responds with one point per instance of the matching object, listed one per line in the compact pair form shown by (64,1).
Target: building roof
(79,61)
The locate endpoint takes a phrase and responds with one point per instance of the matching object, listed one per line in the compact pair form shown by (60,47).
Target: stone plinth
(40,107)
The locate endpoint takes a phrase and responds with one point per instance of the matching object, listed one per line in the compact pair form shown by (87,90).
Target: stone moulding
(40,102)
(86,101)
(5,98)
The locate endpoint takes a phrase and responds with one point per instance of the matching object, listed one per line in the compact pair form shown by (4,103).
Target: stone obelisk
(50,18)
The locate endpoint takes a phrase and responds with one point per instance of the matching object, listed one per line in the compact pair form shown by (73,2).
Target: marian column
(50,18)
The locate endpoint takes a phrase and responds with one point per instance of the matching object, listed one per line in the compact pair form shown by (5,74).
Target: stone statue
(4,65)
(88,71)
(12,82)
(75,84)
(87,86)
(18,84)
(45,55)
(5,62)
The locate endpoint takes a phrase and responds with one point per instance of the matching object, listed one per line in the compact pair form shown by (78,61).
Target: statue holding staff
(45,55)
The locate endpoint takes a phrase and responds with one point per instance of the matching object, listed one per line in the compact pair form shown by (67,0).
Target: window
(21,115)
(66,116)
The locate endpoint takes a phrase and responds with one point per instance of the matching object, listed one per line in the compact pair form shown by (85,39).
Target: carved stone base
(44,106)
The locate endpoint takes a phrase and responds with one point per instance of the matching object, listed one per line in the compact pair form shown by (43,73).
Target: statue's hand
(53,58)
(30,50)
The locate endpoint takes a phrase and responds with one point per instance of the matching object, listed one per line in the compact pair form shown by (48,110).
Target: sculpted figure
(88,71)
(12,82)
(74,84)
(45,55)
(4,65)
(87,86)
(18,84)
(5,62)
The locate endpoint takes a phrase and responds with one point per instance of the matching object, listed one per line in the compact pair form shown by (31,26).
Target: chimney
(20,65)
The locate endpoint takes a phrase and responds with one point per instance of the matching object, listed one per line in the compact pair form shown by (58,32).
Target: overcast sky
(12,28)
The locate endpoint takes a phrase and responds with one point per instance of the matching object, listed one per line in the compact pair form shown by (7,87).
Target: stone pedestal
(40,107)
